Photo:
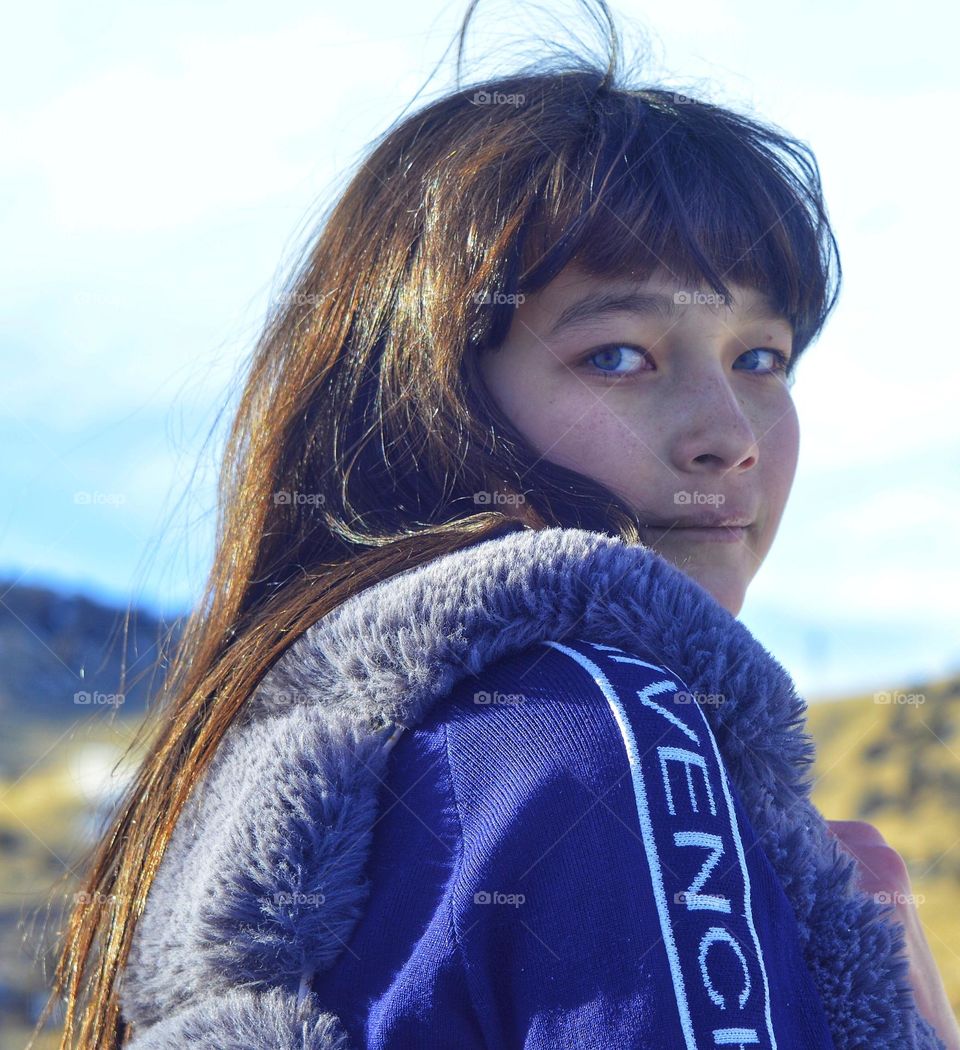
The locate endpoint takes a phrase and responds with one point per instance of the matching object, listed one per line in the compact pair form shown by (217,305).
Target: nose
(713,434)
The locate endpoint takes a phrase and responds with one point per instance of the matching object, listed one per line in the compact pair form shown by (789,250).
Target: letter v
(664,687)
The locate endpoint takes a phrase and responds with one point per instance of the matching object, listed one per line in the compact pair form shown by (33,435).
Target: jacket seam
(457,874)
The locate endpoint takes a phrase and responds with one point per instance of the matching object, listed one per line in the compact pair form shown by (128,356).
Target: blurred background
(160,166)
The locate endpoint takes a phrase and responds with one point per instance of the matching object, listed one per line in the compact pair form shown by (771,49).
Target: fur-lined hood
(224,952)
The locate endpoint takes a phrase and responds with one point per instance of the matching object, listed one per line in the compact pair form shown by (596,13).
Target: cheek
(779,453)
(592,438)
(569,423)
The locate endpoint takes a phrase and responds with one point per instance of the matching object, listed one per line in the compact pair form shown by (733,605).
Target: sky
(162,164)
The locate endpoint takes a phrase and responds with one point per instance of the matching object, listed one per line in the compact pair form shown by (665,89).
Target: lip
(724,532)
(711,533)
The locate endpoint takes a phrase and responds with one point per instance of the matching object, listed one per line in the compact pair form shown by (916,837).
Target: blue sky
(160,165)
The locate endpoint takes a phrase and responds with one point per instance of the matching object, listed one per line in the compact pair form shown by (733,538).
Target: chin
(730,595)
(727,589)
(725,584)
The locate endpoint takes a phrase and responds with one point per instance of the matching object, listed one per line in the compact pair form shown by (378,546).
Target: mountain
(60,660)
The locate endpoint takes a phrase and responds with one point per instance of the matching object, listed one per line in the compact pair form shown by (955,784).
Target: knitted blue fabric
(562,861)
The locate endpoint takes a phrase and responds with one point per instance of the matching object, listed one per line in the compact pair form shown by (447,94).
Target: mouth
(727,530)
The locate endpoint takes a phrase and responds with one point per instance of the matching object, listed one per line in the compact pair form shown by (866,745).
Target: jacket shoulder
(577,708)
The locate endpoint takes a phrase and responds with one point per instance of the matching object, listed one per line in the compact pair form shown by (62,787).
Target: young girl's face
(672,400)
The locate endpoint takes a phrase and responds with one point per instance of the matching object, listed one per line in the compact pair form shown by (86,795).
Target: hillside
(65,724)
(60,662)
(893,758)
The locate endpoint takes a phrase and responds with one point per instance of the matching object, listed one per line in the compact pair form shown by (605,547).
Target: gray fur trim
(241,1019)
(283,818)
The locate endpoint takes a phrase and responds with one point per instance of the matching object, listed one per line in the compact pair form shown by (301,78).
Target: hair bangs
(705,194)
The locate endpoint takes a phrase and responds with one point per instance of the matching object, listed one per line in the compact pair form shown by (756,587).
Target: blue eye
(612,355)
(780,358)
(606,360)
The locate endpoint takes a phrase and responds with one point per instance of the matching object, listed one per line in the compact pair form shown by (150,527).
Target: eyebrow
(644,304)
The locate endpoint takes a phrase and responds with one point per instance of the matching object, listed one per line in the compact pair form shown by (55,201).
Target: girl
(464,745)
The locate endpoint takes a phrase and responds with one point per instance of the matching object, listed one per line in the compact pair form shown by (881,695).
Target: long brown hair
(364,442)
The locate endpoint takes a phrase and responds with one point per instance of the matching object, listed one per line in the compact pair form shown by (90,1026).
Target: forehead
(576,296)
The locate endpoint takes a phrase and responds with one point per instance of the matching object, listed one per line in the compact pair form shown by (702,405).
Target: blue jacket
(541,793)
